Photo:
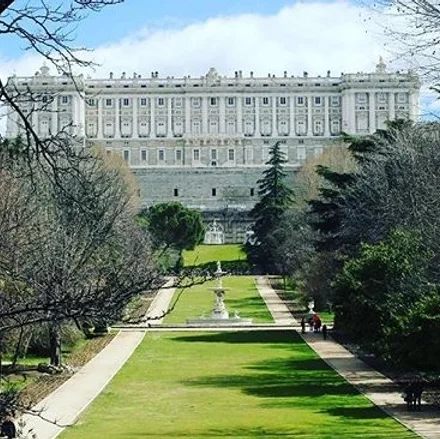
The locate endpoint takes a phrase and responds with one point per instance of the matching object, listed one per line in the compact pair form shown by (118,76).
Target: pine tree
(275,198)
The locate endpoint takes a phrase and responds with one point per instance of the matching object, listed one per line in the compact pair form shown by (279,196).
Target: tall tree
(275,198)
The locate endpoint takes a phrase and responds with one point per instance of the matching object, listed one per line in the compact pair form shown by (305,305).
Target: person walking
(324,331)
(303,325)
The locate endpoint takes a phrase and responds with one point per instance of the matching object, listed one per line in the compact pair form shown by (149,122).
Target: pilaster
(169,117)
(292,116)
(257,116)
(274,117)
(392,106)
(372,111)
(222,115)
(99,128)
(239,115)
(117,118)
(327,116)
(152,116)
(309,116)
(204,114)
(135,121)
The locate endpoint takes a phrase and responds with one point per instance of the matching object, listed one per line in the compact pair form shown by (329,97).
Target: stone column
(54,116)
(327,116)
(152,117)
(204,115)
(274,117)
(187,115)
(392,106)
(413,103)
(372,112)
(353,113)
(239,115)
(222,115)
(309,116)
(135,122)
(117,119)
(169,117)
(99,127)
(257,116)
(292,116)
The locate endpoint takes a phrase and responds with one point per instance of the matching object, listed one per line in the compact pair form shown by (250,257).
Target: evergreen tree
(275,199)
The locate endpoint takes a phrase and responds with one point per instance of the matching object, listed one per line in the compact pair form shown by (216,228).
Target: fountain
(219,314)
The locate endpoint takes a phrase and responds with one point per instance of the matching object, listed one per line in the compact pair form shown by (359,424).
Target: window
(196,155)
(317,100)
(231,155)
(213,126)
(252,192)
(64,99)
(143,155)
(178,102)
(382,98)
(213,102)
(176,192)
(127,155)
(401,98)
(44,99)
(265,101)
(231,127)
(161,155)
(335,101)
(178,155)
(196,127)
(300,100)
(317,127)
(91,102)
(283,101)
(248,128)
(195,102)
(143,102)
(362,97)
(248,101)
(213,154)
(231,102)
(160,102)
(214,192)
(125,102)
(108,102)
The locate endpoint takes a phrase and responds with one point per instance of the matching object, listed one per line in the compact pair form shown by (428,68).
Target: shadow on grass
(357,412)
(283,337)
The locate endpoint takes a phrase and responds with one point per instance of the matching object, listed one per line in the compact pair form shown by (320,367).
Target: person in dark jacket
(8,428)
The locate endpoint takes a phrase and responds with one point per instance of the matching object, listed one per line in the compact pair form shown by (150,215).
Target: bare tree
(413,28)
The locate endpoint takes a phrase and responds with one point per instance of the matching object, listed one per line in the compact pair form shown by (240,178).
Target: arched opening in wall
(214,234)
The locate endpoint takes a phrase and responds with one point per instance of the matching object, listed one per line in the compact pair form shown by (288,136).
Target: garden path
(379,389)
(62,407)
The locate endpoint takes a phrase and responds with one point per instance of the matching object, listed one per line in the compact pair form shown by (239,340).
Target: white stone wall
(178,127)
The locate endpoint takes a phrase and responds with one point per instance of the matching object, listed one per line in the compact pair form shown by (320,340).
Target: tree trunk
(55,344)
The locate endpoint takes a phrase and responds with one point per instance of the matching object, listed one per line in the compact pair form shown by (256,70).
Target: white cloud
(305,36)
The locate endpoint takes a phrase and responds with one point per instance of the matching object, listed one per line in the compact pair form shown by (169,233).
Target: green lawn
(252,384)
(241,296)
(212,253)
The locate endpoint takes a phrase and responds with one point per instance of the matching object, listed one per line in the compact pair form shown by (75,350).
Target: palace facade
(204,141)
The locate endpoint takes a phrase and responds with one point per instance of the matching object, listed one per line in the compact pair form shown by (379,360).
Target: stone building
(204,141)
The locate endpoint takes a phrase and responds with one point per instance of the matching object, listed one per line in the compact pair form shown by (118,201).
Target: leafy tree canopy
(173,225)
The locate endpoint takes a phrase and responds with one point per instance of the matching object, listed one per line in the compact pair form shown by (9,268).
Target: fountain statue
(219,314)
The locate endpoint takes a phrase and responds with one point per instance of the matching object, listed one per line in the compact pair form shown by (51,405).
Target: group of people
(412,395)
(315,324)
(8,429)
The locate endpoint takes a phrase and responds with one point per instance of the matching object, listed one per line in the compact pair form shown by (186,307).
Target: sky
(187,37)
